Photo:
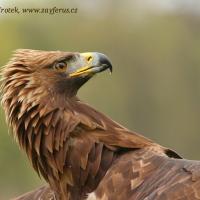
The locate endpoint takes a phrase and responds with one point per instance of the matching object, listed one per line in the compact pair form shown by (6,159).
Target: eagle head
(34,71)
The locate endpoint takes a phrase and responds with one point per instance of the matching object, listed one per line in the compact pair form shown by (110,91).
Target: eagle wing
(141,175)
(147,175)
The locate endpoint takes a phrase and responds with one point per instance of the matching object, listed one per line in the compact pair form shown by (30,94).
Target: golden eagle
(81,153)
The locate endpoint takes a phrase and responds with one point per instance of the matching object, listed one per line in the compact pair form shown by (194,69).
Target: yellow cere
(83,70)
(88,56)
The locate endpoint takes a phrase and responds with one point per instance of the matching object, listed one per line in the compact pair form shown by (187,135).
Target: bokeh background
(155,87)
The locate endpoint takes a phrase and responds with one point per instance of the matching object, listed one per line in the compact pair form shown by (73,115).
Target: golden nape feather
(81,153)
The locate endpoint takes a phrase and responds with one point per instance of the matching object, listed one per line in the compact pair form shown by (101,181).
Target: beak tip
(111,69)
(104,60)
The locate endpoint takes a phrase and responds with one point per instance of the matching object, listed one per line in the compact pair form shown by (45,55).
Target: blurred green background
(155,87)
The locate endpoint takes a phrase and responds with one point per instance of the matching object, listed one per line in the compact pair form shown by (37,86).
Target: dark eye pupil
(60,65)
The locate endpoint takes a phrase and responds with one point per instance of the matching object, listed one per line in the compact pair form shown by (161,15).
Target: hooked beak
(90,64)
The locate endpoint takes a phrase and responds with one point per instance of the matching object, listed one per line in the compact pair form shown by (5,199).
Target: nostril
(89,58)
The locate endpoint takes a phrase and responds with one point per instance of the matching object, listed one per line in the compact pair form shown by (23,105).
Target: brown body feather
(80,151)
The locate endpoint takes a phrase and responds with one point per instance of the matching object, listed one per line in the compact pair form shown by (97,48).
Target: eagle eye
(60,66)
